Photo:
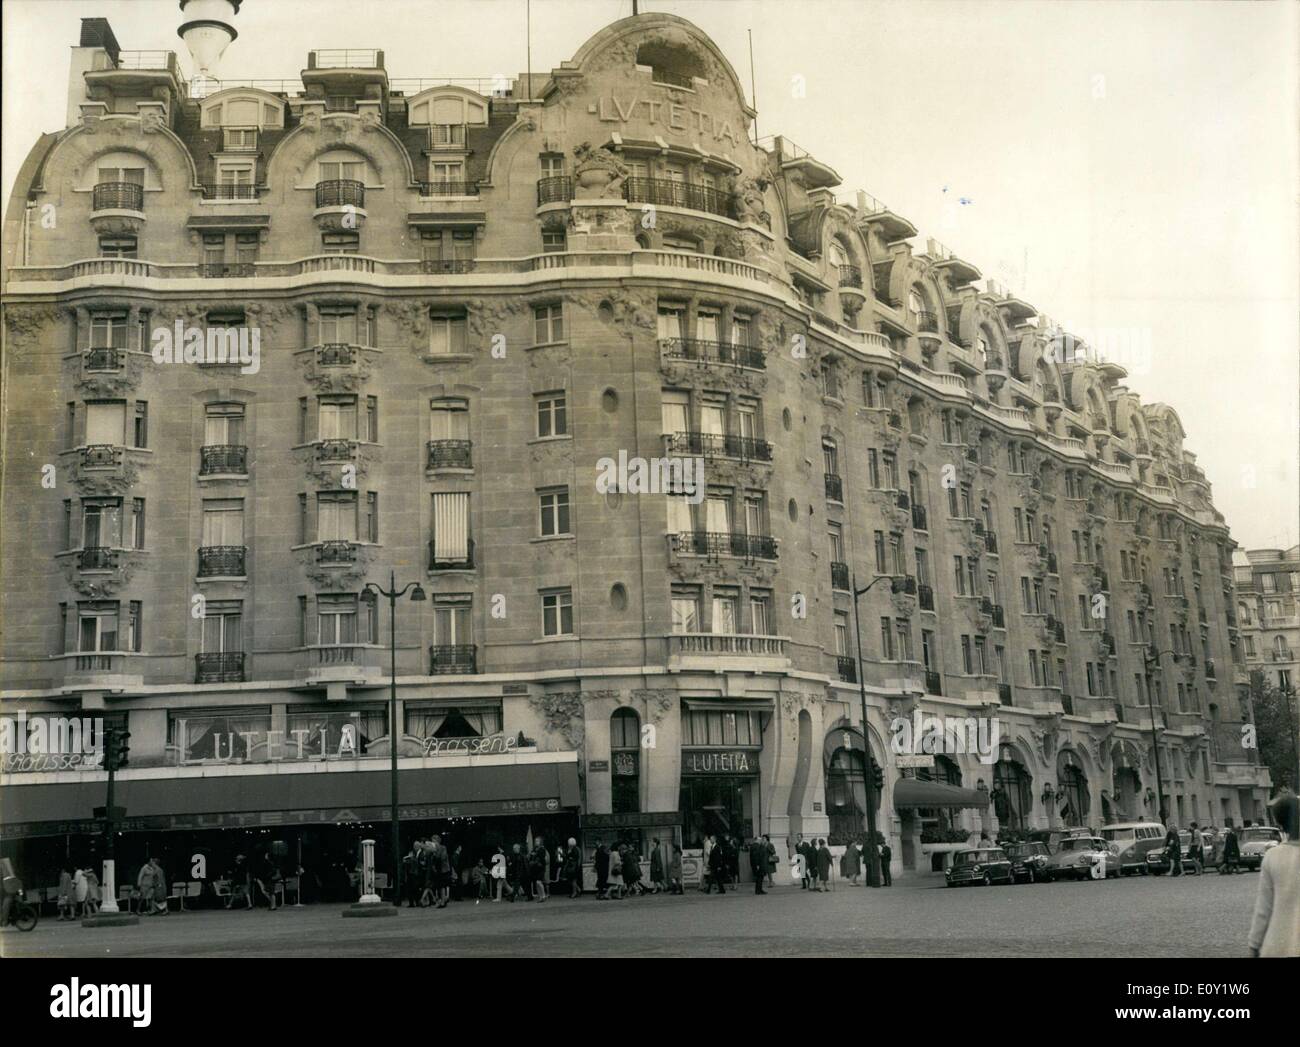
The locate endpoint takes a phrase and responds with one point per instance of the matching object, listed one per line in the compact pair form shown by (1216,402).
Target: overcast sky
(1129,168)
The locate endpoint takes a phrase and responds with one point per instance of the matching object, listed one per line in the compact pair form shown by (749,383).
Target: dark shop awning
(315,798)
(913,792)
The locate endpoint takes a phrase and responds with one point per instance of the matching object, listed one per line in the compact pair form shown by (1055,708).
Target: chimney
(96,49)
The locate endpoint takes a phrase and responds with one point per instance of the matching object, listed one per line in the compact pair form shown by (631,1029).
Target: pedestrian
(709,845)
(851,863)
(601,860)
(616,856)
(479,879)
(573,868)
(458,873)
(94,894)
(517,873)
(238,877)
(411,875)
(804,850)
(499,872)
(771,859)
(758,863)
(1174,851)
(1275,930)
(675,871)
(539,870)
(159,887)
(1196,846)
(557,867)
(824,863)
(67,896)
(656,866)
(1231,852)
(632,870)
(716,871)
(733,862)
(80,891)
(886,857)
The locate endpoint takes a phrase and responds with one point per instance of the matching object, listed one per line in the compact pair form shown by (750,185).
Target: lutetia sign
(657,112)
(273,746)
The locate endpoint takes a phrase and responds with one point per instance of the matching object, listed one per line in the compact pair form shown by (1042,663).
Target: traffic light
(117,748)
(877,776)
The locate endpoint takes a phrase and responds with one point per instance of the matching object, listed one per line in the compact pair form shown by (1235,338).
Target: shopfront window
(452,721)
(334,732)
(721,727)
(716,805)
(1012,797)
(231,737)
(625,756)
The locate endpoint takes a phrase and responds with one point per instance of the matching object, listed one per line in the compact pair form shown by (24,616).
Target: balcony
(850,276)
(719,445)
(101,456)
(229,191)
(665,192)
(725,651)
(453,658)
(557,189)
(222,667)
(97,558)
(990,542)
(336,552)
(103,360)
(223,459)
(1004,693)
(999,616)
(101,669)
(933,683)
(925,597)
(336,450)
(336,664)
(118,196)
(450,454)
(847,668)
(718,544)
(704,351)
(444,190)
(336,354)
(834,487)
(221,270)
(927,322)
(337,58)
(919,521)
(839,575)
(221,561)
(442,560)
(340,192)
(447,266)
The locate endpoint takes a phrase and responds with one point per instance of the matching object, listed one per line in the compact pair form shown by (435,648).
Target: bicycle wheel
(25,918)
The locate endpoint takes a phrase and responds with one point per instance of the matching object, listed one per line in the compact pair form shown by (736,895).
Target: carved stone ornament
(92,483)
(598,174)
(346,379)
(340,578)
(657,700)
(562,714)
(102,583)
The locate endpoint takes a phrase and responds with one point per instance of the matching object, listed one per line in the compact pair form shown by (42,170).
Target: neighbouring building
(452,303)
(1268,585)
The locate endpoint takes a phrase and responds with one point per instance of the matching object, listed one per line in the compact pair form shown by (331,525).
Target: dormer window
(239,139)
(447,136)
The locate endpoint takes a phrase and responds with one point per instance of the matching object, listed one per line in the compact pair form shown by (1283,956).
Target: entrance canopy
(305,798)
(913,792)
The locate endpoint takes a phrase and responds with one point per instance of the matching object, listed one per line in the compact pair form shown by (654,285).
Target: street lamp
(873,856)
(417,595)
(1150,658)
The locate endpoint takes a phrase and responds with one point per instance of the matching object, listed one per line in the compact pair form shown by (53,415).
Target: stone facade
(616,240)
(1267,588)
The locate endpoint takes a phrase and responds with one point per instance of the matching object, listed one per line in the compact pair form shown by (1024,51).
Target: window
(959,576)
(671,323)
(890,462)
(554,242)
(344,619)
(223,425)
(370,524)
(548,324)
(741,329)
(878,545)
(842,634)
(371,432)
(223,627)
(336,516)
(451,543)
(724,612)
(447,334)
(967,661)
(760,613)
(551,164)
(140,429)
(873,468)
(117,247)
(887,651)
(685,610)
(338,418)
(97,626)
(333,170)
(340,243)
(557,613)
(554,512)
(950,435)
(625,752)
(451,620)
(133,175)
(223,522)
(344,326)
(101,523)
(830,458)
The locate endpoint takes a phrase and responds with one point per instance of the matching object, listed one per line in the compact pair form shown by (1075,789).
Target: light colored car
(1076,856)
(1257,841)
(1134,840)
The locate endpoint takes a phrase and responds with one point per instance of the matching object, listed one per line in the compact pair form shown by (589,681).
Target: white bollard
(108,887)
(368,894)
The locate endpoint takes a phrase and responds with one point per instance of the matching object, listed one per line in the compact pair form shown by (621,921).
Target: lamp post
(1150,659)
(873,856)
(417,595)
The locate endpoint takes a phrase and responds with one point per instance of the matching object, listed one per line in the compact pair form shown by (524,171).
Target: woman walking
(67,895)
(632,871)
(851,864)
(656,867)
(616,872)
(1275,930)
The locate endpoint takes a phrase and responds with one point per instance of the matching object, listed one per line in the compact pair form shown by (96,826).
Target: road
(1135,916)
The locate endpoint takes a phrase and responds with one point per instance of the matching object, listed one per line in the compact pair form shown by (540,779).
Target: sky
(1131,169)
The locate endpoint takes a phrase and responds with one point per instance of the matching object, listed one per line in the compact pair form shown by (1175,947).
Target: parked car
(1028,861)
(1158,859)
(1053,837)
(1135,841)
(1076,856)
(986,865)
(1257,841)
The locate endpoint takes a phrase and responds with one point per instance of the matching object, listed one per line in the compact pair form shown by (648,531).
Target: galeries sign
(719,761)
(683,119)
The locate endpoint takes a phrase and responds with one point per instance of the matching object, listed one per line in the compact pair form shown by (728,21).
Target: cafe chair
(178,894)
(293,885)
(221,891)
(381,883)
(126,893)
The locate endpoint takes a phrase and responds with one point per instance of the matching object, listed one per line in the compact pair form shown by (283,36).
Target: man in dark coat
(886,856)
(573,868)
(823,863)
(758,863)
(601,861)
(717,870)
(805,849)
(1231,851)
(517,873)
(1174,848)
(410,876)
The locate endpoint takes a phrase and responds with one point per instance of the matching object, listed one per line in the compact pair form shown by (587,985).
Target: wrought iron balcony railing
(834,487)
(925,597)
(451,454)
(704,351)
(103,360)
(224,561)
(219,667)
(229,459)
(720,445)
(847,668)
(118,196)
(717,544)
(336,450)
(927,322)
(445,189)
(458,562)
(336,552)
(101,456)
(919,521)
(850,276)
(453,658)
(227,191)
(341,192)
(665,192)
(98,558)
(839,575)
(557,189)
(933,683)
(336,354)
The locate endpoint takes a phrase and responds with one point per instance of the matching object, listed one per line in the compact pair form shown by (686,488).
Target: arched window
(1074,802)
(846,793)
(1012,797)
(625,761)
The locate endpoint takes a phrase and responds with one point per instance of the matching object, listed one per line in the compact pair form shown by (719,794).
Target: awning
(913,792)
(308,798)
(729,705)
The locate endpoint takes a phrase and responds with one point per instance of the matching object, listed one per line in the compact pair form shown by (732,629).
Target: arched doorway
(846,784)
(1125,782)
(1073,802)
(1012,796)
